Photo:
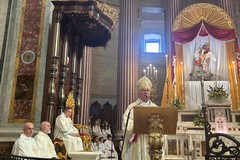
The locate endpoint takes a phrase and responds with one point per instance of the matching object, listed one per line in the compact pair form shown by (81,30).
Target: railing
(217,148)
(14,157)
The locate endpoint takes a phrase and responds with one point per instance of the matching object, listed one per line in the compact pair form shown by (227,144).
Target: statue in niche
(202,57)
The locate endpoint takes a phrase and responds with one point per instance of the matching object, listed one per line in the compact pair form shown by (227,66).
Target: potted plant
(217,93)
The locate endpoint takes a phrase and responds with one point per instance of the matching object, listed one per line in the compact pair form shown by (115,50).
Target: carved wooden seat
(60,149)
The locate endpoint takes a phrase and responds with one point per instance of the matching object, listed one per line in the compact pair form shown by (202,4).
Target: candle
(182,73)
(147,71)
(175,90)
(150,70)
(166,64)
(144,72)
(234,69)
(156,71)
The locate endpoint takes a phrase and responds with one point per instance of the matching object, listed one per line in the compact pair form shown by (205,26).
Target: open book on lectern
(168,117)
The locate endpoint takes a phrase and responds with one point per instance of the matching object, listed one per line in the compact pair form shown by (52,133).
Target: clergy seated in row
(106,148)
(41,146)
(64,130)
(44,143)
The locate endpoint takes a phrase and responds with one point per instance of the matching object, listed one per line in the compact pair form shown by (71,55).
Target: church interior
(89,55)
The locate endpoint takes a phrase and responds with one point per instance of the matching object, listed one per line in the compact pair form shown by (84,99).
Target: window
(152,43)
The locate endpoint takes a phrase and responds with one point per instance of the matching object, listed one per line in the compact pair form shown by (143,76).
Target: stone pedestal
(221,107)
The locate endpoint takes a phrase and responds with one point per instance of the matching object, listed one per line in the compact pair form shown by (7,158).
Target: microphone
(128,116)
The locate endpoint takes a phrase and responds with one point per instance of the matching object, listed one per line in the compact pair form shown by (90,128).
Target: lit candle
(147,71)
(144,72)
(234,69)
(166,64)
(175,90)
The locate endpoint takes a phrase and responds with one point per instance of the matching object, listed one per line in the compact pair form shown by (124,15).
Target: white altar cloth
(81,155)
(193,97)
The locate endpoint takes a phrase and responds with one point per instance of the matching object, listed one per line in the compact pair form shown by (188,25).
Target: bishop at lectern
(135,146)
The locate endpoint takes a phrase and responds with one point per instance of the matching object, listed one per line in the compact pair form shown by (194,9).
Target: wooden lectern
(155,121)
(168,117)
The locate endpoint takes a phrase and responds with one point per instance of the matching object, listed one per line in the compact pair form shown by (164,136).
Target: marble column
(227,5)
(86,89)
(127,55)
(54,67)
(79,86)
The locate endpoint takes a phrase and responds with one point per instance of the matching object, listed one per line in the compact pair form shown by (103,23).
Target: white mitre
(144,83)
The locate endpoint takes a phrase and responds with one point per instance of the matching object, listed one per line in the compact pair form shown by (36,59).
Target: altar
(193,97)
(82,155)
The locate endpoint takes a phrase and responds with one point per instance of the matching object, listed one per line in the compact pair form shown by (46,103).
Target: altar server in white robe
(135,146)
(65,130)
(43,141)
(26,145)
(109,147)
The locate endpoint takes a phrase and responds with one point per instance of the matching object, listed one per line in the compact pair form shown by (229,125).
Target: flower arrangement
(198,121)
(217,92)
(176,103)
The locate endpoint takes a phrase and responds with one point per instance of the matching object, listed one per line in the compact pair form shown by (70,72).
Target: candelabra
(151,72)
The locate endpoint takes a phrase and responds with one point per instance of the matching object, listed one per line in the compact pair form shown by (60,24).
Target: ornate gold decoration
(87,142)
(108,11)
(155,130)
(210,13)
(71,103)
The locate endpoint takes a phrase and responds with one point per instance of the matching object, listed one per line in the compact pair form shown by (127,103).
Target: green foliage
(176,103)
(198,121)
(217,92)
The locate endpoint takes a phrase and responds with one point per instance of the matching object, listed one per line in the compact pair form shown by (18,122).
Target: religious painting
(24,87)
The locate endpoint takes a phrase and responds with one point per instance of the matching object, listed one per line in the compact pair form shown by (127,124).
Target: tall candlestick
(154,73)
(234,69)
(166,64)
(182,73)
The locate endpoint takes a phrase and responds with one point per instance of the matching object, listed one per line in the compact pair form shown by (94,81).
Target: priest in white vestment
(25,145)
(44,143)
(135,146)
(65,131)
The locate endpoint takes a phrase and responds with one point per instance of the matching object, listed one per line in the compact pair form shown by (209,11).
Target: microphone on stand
(128,116)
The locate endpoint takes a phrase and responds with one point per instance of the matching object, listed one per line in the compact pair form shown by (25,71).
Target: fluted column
(174,9)
(86,89)
(54,67)
(227,5)
(65,50)
(128,59)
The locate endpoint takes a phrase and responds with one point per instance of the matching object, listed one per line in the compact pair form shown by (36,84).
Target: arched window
(152,43)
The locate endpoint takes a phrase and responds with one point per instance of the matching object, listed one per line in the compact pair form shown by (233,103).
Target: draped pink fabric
(203,29)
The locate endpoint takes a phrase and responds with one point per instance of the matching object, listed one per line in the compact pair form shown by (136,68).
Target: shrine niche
(204,52)
(77,26)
